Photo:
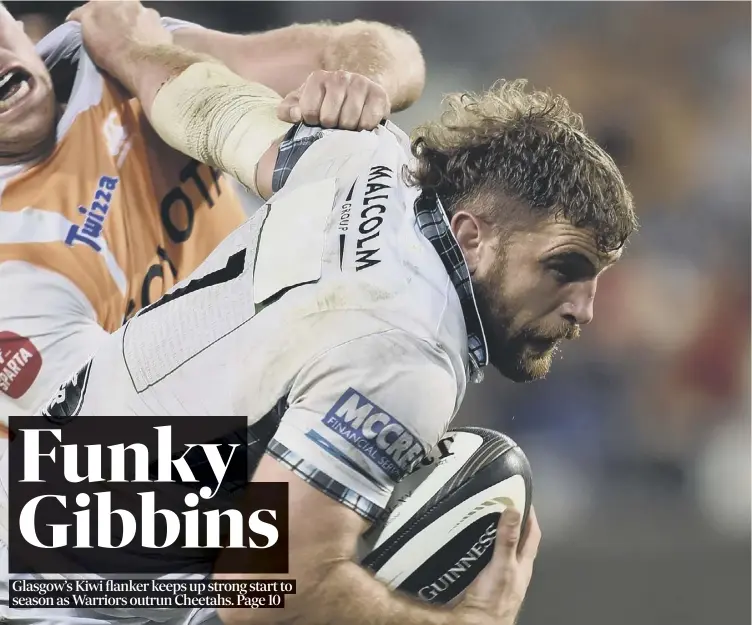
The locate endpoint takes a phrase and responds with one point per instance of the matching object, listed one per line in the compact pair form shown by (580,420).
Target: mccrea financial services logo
(377,434)
(141,495)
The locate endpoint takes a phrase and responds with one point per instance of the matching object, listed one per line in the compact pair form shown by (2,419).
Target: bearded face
(534,288)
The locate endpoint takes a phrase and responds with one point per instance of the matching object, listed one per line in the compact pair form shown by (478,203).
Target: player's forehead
(556,237)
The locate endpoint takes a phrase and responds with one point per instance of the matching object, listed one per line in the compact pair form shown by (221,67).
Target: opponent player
(361,300)
(98,217)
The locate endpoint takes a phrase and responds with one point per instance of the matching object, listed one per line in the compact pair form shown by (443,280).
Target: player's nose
(579,307)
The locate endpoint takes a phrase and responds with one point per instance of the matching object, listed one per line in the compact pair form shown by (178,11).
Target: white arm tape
(213,115)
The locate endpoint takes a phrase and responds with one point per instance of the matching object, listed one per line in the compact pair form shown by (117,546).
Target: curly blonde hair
(531,147)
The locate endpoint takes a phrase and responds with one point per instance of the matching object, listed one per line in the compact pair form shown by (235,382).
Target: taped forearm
(213,115)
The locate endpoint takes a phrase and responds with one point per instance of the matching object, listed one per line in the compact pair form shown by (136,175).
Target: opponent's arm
(204,110)
(281,59)
(199,106)
(207,112)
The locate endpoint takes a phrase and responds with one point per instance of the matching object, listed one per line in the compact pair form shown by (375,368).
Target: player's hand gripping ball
(439,530)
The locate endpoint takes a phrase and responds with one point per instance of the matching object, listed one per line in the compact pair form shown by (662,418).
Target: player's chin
(527,363)
(29,131)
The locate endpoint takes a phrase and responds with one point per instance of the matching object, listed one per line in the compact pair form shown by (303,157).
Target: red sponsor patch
(20,363)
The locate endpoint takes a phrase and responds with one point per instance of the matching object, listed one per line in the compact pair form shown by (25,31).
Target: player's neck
(38,152)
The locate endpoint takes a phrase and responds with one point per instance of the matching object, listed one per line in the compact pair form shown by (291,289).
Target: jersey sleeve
(308,153)
(48,329)
(362,415)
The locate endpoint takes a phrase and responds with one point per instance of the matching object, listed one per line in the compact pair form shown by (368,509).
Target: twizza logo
(383,439)
(90,232)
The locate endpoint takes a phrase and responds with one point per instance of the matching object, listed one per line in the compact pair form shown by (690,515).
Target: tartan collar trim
(434,224)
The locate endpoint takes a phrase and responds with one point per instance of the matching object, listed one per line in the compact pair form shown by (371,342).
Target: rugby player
(98,217)
(373,285)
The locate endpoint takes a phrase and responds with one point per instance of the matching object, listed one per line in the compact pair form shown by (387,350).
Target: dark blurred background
(640,438)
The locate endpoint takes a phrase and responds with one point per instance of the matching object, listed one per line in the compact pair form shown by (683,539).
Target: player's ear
(468,232)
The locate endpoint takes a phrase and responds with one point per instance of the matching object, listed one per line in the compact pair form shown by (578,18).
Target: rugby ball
(438,531)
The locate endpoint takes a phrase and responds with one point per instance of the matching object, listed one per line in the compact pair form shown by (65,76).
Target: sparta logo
(20,363)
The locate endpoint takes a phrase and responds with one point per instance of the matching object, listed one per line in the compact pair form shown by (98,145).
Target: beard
(521,354)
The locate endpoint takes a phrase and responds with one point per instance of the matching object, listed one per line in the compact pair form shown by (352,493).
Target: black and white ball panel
(439,530)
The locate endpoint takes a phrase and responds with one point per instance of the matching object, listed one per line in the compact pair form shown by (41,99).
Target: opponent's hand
(336,100)
(111,28)
(496,595)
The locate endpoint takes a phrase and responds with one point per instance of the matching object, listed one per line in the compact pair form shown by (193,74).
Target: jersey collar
(434,224)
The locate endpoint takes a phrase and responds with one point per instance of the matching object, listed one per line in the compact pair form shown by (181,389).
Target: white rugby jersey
(342,311)
(339,301)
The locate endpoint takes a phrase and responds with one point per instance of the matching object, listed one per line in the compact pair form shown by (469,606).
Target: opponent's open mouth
(14,86)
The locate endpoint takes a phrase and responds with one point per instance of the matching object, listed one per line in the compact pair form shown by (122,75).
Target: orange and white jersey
(105,225)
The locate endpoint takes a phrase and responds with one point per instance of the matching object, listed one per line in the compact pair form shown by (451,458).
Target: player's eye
(570,267)
(568,272)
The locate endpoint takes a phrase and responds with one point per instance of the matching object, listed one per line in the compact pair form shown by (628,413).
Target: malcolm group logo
(156,495)
(377,434)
